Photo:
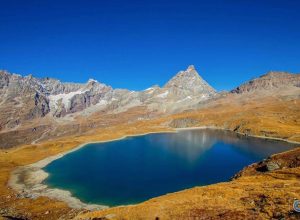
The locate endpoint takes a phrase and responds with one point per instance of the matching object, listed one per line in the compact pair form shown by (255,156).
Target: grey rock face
(54,86)
(78,97)
(29,97)
(272,166)
(184,91)
(4,79)
(269,82)
(189,82)
(21,99)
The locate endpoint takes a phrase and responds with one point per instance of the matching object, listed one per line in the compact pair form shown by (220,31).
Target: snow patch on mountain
(163,95)
(63,98)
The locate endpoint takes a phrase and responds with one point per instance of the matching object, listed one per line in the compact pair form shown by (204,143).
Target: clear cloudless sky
(137,43)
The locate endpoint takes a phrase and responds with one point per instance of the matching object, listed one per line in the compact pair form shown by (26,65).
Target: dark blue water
(138,168)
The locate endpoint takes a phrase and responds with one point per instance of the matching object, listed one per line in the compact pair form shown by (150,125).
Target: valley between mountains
(44,117)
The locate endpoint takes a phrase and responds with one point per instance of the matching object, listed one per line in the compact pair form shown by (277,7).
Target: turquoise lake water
(138,168)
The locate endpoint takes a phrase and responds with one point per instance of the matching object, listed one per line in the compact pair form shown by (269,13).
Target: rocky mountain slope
(269,82)
(33,109)
(189,83)
(29,97)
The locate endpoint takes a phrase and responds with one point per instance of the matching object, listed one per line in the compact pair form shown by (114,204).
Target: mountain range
(34,109)
(42,119)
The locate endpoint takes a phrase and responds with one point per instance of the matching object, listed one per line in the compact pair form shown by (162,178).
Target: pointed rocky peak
(90,84)
(183,78)
(189,80)
(190,68)
(190,73)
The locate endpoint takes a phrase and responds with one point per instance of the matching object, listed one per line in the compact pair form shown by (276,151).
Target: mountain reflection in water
(138,168)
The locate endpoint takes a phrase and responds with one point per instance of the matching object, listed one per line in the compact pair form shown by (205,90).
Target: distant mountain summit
(189,82)
(269,82)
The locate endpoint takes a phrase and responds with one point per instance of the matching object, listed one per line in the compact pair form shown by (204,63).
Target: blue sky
(137,43)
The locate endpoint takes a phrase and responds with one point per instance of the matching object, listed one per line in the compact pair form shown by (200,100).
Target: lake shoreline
(241,133)
(28,180)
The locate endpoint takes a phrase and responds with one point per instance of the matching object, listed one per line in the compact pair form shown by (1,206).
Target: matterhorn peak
(190,80)
(183,78)
(190,73)
(190,68)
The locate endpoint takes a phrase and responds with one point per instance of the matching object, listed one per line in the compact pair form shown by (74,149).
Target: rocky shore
(28,182)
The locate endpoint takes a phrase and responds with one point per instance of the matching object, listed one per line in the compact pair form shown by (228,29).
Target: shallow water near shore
(135,169)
